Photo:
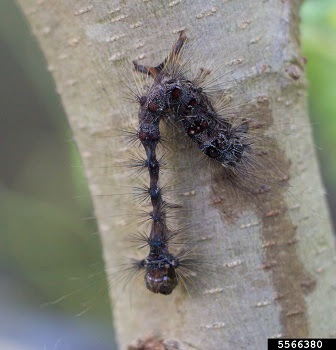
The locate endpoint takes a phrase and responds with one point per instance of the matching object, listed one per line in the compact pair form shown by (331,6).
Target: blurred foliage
(46,247)
(318,40)
(50,255)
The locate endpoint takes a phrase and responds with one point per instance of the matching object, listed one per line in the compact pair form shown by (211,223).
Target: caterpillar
(182,101)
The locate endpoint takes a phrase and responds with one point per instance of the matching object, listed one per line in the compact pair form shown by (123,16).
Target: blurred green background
(318,40)
(47,247)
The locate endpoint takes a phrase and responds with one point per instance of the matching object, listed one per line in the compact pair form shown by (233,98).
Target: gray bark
(279,275)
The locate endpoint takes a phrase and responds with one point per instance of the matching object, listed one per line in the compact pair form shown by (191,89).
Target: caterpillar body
(172,96)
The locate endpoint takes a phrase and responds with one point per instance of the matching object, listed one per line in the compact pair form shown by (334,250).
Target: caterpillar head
(160,276)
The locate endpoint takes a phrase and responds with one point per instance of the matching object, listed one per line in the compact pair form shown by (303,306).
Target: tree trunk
(279,277)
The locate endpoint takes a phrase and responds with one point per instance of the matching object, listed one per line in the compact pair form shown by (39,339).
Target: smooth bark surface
(279,264)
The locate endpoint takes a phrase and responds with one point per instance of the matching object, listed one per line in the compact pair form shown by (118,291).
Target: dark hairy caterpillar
(184,102)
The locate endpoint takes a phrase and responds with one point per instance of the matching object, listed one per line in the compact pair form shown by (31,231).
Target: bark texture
(278,261)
